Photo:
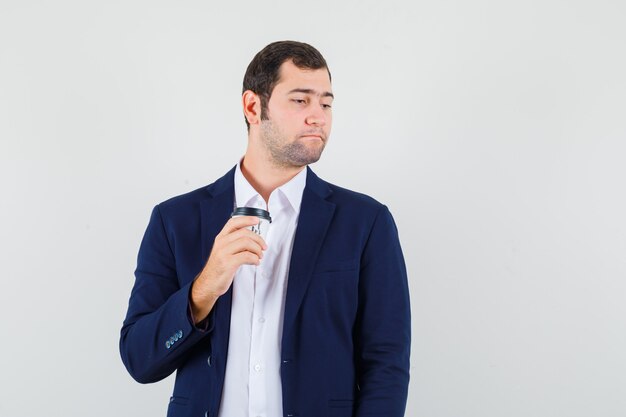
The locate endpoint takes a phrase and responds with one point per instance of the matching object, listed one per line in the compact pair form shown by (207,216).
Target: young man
(315,321)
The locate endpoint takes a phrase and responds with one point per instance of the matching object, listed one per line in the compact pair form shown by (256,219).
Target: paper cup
(263,215)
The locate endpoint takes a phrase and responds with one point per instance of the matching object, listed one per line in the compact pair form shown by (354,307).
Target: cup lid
(252,211)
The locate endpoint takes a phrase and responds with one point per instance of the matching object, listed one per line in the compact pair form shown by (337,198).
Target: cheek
(294,122)
(290,117)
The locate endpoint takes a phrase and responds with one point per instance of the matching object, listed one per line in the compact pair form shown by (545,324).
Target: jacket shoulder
(344,195)
(190,198)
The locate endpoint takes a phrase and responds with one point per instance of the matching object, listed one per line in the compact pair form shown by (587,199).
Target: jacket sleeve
(383,326)
(158,330)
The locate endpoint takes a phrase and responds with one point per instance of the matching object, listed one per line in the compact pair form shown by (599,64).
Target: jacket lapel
(315,216)
(215,212)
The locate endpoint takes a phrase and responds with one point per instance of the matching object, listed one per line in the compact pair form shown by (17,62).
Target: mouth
(312,137)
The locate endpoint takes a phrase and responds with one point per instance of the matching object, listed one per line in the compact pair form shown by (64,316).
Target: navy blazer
(346,335)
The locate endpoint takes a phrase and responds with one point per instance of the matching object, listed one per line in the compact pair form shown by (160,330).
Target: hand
(233,246)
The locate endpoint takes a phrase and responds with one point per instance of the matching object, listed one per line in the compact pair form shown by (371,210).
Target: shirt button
(257,367)
(261,320)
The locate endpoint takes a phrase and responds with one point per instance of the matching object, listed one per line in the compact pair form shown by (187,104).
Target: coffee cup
(263,215)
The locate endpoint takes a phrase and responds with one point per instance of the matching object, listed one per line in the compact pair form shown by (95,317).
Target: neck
(265,177)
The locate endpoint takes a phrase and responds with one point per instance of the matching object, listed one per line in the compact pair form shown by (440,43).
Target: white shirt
(252,386)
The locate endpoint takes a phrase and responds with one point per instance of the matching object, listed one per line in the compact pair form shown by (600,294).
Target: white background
(494,131)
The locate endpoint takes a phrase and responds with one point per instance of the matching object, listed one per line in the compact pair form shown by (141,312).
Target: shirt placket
(258,356)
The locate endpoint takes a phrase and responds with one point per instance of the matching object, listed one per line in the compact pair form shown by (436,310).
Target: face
(299,116)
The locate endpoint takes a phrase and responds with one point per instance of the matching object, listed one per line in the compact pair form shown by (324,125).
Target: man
(313,322)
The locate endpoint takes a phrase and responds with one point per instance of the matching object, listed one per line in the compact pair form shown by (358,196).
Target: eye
(326,106)
(299,100)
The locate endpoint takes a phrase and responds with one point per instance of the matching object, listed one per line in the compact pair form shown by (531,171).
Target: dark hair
(262,74)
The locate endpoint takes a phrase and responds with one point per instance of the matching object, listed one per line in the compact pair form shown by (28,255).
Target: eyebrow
(311,91)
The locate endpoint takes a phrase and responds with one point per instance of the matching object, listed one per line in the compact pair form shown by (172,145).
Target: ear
(251,107)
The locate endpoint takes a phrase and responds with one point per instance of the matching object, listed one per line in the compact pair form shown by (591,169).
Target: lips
(314,135)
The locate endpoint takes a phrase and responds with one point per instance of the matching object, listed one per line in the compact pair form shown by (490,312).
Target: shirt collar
(292,190)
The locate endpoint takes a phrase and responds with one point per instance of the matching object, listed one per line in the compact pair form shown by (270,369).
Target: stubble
(286,153)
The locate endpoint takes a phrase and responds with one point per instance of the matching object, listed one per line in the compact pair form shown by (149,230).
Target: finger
(247,258)
(242,234)
(235,223)
(243,245)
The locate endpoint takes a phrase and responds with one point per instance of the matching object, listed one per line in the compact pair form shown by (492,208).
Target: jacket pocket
(175,399)
(178,406)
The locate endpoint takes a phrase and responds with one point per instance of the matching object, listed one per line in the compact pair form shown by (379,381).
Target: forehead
(291,77)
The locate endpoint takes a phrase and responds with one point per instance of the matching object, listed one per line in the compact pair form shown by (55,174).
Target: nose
(316,116)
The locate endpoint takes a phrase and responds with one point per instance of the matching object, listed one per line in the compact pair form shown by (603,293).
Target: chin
(306,160)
